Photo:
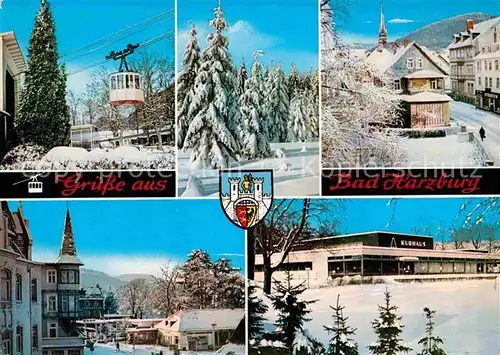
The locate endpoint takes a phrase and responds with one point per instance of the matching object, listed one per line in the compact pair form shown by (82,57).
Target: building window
(52,330)
(496,65)
(418,63)
(479,80)
(34,290)
(6,285)
(74,352)
(19,339)
(434,84)
(397,85)
(498,83)
(409,63)
(71,276)
(489,66)
(478,65)
(52,303)
(51,276)
(19,287)
(34,337)
(63,277)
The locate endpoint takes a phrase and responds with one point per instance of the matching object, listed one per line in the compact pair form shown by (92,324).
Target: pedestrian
(482,133)
(117,346)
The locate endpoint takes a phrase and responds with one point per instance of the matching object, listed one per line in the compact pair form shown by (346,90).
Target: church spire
(68,240)
(382,32)
(67,254)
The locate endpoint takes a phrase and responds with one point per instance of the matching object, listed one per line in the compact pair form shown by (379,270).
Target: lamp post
(213,334)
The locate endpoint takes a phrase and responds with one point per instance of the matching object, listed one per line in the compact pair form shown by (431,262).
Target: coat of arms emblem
(246,196)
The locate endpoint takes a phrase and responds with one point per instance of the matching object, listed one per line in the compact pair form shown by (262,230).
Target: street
(474,118)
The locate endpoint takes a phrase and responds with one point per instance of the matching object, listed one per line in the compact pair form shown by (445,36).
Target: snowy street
(474,118)
(301,178)
(126,349)
(467,317)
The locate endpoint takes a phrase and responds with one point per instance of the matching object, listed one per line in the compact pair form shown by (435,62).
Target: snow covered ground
(125,349)
(301,178)
(467,317)
(440,152)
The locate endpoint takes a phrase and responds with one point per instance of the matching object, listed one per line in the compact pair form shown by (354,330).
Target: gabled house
(199,330)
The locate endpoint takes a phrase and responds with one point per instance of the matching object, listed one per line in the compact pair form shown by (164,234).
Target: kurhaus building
(376,254)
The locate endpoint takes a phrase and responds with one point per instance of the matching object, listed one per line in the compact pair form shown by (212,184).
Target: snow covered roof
(421,74)
(480,28)
(204,319)
(382,60)
(426,96)
(492,55)
(10,41)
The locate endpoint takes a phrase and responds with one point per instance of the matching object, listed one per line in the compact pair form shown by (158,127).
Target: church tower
(382,32)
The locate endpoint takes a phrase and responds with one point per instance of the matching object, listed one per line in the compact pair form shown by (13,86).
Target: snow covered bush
(280,153)
(21,154)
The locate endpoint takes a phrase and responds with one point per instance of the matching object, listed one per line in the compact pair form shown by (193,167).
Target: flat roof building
(375,254)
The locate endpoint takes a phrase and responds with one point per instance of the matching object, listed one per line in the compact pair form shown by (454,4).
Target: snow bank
(194,188)
(231,349)
(73,158)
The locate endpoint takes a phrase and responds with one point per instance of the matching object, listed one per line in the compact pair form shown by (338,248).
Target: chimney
(495,36)
(470,25)
(406,42)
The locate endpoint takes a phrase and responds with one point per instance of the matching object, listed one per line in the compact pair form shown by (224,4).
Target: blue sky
(286,30)
(80,22)
(374,214)
(121,237)
(363,21)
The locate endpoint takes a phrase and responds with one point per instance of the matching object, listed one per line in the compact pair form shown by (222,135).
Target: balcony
(462,76)
(63,342)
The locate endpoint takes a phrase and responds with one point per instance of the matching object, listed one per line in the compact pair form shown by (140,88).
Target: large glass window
(52,330)
(51,276)
(52,303)
(19,339)
(6,285)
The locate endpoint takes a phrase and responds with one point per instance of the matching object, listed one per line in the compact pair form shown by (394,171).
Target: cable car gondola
(125,86)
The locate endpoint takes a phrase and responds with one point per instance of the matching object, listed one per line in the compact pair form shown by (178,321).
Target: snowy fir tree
(242,77)
(276,104)
(44,116)
(185,84)
(228,290)
(293,82)
(214,128)
(297,124)
(292,311)
(256,311)
(388,330)
(341,342)
(431,343)
(198,279)
(254,143)
(312,107)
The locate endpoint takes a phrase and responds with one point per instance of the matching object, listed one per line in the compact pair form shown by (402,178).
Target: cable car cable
(117,33)
(114,41)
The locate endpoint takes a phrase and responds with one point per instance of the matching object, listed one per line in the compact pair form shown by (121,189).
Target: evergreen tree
(254,137)
(431,343)
(44,116)
(388,330)
(276,104)
(185,84)
(198,279)
(110,303)
(229,287)
(293,82)
(297,124)
(312,108)
(256,311)
(216,122)
(242,77)
(341,342)
(292,311)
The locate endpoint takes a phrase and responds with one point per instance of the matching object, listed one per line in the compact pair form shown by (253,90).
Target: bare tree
(134,297)
(158,110)
(167,290)
(74,101)
(288,223)
(436,231)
